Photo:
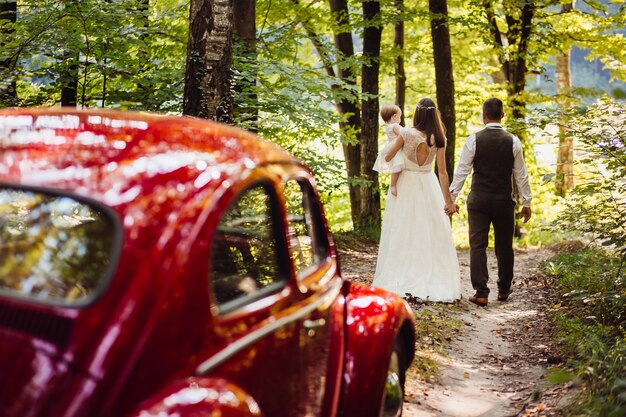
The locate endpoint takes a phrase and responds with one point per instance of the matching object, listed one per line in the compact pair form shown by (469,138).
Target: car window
(307,239)
(245,250)
(53,248)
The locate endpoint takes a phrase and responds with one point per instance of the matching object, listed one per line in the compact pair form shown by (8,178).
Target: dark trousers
(483,211)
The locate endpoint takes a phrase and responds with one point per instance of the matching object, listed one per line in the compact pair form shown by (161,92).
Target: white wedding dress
(417,256)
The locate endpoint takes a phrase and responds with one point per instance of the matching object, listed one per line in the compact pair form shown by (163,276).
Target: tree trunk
(398,46)
(513,54)
(70,62)
(349,108)
(208,78)
(244,12)
(370,193)
(519,29)
(519,32)
(244,16)
(347,105)
(144,89)
(69,82)
(500,76)
(565,154)
(8,91)
(444,78)
(104,83)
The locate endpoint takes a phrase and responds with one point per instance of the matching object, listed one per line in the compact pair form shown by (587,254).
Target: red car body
(116,298)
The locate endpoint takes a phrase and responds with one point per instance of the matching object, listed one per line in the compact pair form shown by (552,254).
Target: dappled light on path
(495,366)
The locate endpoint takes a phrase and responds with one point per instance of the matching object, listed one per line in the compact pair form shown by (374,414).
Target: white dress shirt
(520,173)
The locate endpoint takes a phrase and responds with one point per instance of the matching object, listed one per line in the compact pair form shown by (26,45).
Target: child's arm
(397,145)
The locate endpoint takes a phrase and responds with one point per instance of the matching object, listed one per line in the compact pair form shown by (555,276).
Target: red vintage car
(167,266)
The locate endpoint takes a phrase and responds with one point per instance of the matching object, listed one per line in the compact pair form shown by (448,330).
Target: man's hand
(525,214)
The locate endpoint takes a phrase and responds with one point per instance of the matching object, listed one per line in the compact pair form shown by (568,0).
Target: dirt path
(496,364)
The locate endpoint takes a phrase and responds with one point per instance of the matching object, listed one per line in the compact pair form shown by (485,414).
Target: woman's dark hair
(427,119)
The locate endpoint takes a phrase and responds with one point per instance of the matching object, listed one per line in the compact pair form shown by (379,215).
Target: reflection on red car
(167,266)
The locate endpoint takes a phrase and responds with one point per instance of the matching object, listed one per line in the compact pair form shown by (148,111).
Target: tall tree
(398,46)
(8,91)
(244,13)
(69,61)
(244,17)
(512,48)
(444,77)
(565,154)
(370,195)
(346,105)
(358,125)
(208,78)
(69,81)
(144,87)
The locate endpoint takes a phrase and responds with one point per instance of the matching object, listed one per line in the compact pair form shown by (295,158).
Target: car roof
(113,156)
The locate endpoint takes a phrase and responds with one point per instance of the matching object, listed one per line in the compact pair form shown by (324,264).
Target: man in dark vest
(496,158)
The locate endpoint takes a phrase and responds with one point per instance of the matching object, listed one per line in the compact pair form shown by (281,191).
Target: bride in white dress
(417,256)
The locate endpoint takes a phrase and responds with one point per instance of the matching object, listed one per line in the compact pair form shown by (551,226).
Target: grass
(352,240)
(436,325)
(591,328)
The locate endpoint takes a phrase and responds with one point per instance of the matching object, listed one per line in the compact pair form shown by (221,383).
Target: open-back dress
(417,256)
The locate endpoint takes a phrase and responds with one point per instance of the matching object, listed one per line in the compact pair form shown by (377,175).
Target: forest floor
(494,361)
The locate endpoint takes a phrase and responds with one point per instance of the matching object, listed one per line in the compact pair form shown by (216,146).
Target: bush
(597,207)
(590,326)
(592,314)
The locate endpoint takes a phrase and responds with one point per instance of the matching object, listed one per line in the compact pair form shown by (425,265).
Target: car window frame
(115,251)
(317,275)
(265,295)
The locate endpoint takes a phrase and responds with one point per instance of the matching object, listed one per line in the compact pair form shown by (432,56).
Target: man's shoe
(504,296)
(479,301)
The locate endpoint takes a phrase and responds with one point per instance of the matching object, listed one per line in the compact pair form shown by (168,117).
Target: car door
(316,273)
(280,324)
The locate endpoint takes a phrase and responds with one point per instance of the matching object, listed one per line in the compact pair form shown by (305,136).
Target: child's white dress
(397,162)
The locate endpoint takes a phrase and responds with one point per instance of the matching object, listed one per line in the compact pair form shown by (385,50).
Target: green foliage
(546,206)
(594,31)
(123,55)
(559,376)
(590,326)
(291,102)
(597,207)
(337,210)
(130,54)
(591,320)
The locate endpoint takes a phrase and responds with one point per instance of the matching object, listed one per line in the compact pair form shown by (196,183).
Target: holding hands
(451,208)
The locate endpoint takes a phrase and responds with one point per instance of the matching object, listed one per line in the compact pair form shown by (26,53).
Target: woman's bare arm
(444,182)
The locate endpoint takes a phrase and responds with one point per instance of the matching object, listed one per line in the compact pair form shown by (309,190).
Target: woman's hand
(451,208)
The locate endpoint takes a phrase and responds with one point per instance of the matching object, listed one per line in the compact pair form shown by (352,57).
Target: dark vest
(493,163)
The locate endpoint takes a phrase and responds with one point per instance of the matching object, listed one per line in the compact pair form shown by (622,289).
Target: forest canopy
(312,75)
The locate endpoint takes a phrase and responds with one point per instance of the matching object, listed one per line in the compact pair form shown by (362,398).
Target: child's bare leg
(394,181)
